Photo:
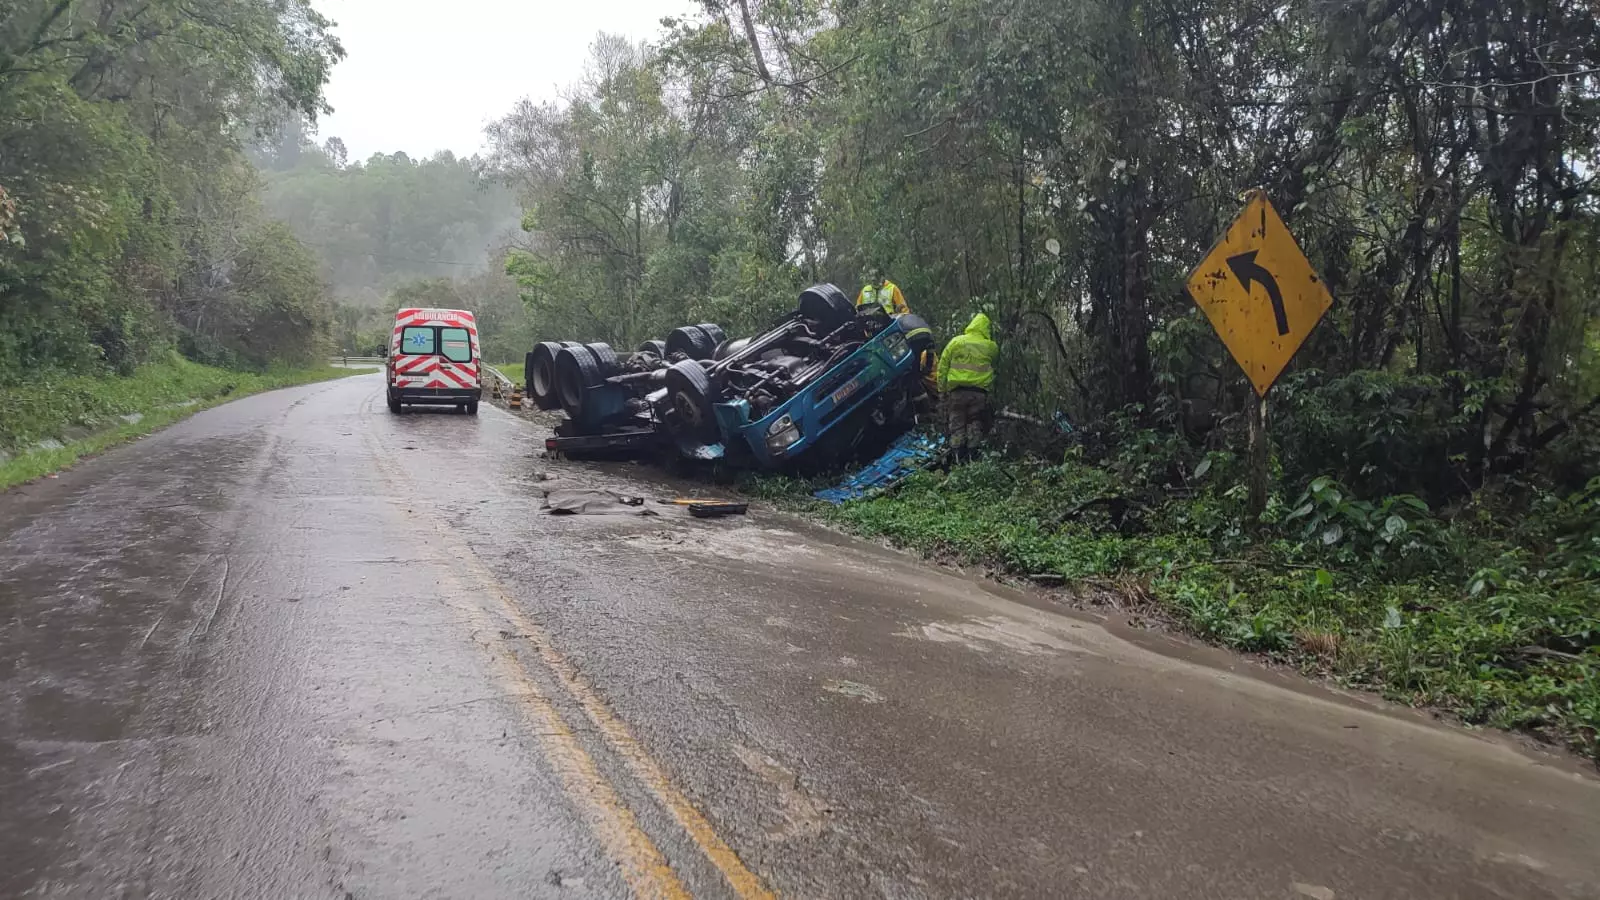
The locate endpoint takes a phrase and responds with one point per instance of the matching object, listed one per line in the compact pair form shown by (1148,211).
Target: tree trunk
(1256,415)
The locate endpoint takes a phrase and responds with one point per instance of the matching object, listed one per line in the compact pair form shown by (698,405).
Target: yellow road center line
(745,883)
(643,867)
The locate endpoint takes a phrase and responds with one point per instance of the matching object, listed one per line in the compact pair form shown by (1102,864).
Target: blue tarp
(907,455)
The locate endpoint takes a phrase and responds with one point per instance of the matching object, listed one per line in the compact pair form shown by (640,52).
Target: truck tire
(576,372)
(605,358)
(691,341)
(394,405)
(714,332)
(472,407)
(917,332)
(729,348)
(689,399)
(541,374)
(826,305)
(654,348)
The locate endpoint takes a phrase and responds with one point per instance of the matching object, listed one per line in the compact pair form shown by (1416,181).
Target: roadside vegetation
(169,235)
(51,424)
(130,217)
(1489,610)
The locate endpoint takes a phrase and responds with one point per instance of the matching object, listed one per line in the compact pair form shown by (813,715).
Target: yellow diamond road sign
(1260,292)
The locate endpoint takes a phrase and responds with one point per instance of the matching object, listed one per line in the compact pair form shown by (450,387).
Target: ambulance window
(457,344)
(417,340)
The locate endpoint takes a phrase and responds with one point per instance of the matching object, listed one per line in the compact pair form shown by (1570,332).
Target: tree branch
(755,43)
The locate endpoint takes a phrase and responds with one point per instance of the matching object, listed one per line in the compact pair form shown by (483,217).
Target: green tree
(118,125)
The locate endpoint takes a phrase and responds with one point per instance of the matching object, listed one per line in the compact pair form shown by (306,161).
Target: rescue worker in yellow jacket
(965,376)
(885,297)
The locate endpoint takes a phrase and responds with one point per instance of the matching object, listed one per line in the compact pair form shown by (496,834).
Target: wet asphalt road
(297,647)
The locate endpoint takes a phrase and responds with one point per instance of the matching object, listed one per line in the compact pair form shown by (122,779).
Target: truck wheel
(394,405)
(729,348)
(689,398)
(472,407)
(605,358)
(576,372)
(655,348)
(826,305)
(714,332)
(917,332)
(541,373)
(692,342)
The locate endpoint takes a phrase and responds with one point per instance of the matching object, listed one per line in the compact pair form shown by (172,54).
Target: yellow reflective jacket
(928,368)
(887,298)
(968,360)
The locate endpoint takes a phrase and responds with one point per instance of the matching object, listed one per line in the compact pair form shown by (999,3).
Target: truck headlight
(895,344)
(782,434)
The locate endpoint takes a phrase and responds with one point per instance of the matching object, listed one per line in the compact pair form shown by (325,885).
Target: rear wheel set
(578,368)
(564,375)
(540,370)
(696,341)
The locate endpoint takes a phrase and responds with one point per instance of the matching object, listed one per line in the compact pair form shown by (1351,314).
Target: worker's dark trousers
(967,421)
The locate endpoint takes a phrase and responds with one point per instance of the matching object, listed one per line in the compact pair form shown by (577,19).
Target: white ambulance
(433,360)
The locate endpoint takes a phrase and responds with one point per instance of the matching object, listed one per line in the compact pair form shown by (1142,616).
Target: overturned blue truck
(824,385)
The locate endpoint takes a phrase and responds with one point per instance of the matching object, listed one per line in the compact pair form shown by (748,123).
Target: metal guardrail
(356,361)
(505,384)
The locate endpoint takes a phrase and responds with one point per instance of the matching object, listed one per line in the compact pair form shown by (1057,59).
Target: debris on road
(595,503)
(712,509)
(908,454)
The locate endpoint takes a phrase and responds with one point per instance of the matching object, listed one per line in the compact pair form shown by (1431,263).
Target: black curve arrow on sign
(1246,269)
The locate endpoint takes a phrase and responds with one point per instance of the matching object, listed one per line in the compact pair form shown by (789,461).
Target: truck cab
(871,388)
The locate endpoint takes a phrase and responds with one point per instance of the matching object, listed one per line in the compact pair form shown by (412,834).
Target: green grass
(514,372)
(1498,624)
(85,413)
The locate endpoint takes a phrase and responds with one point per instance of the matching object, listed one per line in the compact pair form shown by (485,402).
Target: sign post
(1261,295)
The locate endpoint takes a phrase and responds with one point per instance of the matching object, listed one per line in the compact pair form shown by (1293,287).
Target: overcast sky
(427,75)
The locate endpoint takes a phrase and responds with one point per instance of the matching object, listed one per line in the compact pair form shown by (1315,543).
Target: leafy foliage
(130,221)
